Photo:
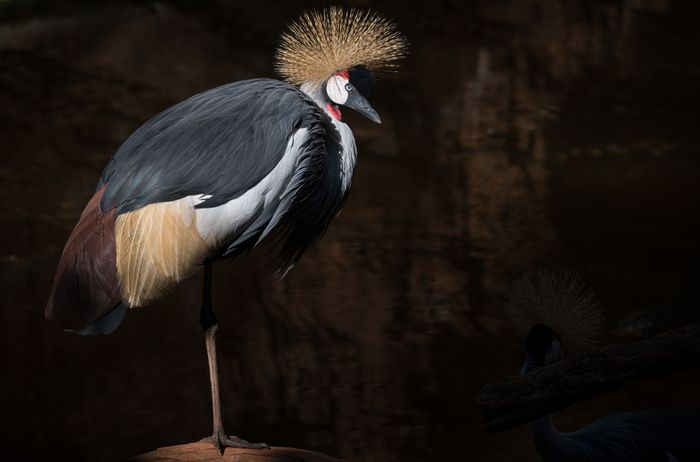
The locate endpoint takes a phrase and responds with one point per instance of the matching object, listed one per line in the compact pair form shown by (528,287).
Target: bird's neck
(550,442)
(315,92)
(348,152)
(545,436)
(554,445)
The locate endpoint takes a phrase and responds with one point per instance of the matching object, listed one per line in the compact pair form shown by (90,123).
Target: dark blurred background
(561,133)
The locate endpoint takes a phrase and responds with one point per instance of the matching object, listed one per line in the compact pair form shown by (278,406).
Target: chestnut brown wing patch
(86,285)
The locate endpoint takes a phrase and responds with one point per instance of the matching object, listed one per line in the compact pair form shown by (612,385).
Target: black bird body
(220,172)
(246,160)
(219,144)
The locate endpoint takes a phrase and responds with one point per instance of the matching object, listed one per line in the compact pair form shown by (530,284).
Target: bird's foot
(221,441)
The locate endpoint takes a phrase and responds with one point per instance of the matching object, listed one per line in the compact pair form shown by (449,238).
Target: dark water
(518,133)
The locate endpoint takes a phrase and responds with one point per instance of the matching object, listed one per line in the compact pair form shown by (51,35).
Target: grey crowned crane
(217,174)
(563,314)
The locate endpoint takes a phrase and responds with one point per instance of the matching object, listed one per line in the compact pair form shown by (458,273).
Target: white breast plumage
(348,154)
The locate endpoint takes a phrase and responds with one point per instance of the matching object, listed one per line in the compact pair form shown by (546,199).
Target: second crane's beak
(359,103)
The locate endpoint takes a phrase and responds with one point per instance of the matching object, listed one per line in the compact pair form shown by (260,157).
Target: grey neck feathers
(315,91)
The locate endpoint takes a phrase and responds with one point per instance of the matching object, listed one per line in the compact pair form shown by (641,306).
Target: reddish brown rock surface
(203,451)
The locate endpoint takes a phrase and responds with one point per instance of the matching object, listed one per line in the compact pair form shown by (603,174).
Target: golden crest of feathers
(320,43)
(560,300)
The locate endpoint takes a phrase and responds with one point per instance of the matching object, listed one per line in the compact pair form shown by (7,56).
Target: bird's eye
(348,87)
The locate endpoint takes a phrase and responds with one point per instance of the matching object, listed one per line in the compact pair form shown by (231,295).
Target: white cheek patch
(335,87)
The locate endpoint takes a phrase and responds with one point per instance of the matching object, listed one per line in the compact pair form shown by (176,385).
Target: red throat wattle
(334,111)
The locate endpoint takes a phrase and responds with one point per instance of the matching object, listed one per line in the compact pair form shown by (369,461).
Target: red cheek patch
(334,111)
(344,74)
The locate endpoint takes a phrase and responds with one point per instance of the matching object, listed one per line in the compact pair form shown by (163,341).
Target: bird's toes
(221,441)
(236,442)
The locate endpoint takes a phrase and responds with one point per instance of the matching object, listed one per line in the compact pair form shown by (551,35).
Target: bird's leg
(209,323)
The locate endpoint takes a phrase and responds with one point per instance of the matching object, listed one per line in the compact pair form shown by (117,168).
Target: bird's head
(351,88)
(543,347)
(557,311)
(333,56)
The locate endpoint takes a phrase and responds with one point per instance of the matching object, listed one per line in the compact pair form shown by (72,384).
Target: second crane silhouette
(215,175)
(560,313)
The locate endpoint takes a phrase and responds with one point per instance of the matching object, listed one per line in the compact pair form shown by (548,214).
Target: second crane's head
(557,311)
(543,347)
(333,56)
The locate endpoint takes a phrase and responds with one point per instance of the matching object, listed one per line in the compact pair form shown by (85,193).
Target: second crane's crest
(562,301)
(321,43)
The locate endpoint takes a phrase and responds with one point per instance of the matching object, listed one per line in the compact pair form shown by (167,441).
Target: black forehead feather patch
(539,340)
(362,79)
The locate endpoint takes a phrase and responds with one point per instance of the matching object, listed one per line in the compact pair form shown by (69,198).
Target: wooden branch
(518,400)
(204,451)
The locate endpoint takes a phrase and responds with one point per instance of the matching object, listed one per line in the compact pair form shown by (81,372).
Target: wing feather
(138,237)
(219,143)
(85,286)
(642,435)
(157,246)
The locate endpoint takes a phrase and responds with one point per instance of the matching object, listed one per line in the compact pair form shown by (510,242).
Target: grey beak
(359,103)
